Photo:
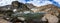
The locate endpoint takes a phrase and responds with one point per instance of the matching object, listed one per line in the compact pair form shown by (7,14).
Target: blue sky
(43,2)
(34,2)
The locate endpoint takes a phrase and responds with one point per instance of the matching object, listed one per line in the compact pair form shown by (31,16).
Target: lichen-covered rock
(50,18)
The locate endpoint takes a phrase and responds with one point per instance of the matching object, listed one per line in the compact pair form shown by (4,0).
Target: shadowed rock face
(20,6)
(15,5)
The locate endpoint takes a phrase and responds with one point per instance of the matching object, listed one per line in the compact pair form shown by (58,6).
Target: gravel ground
(2,20)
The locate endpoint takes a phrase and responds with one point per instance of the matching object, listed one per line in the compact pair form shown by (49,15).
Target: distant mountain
(29,5)
(46,8)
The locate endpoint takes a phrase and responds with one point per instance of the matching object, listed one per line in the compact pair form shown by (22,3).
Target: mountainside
(47,9)
(48,6)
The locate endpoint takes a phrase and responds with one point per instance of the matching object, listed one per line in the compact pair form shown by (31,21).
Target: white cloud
(39,2)
(5,2)
(57,1)
(23,1)
(34,2)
